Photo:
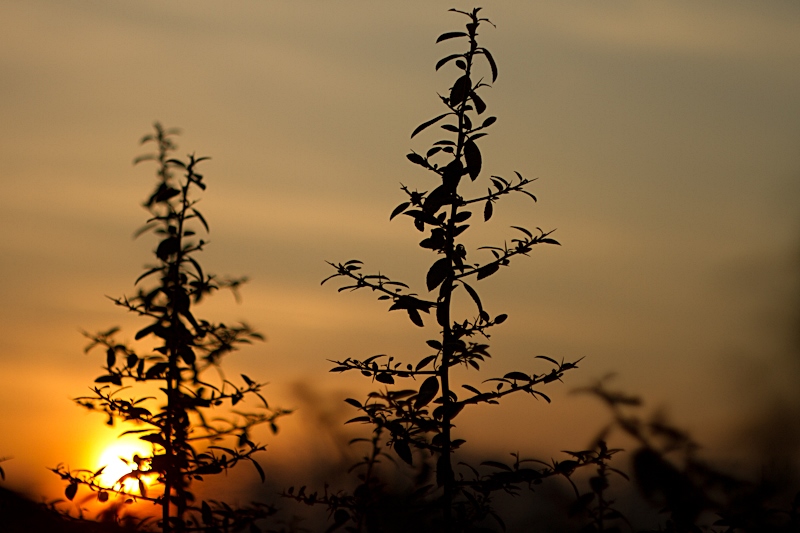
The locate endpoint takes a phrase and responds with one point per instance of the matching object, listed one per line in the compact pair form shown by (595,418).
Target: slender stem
(173,433)
(444,313)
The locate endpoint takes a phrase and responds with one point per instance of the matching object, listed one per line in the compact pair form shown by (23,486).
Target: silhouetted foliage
(693,494)
(416,418)
(412,412)
(187,442)
(18,514)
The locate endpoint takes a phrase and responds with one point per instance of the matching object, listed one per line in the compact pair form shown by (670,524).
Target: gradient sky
(665,137)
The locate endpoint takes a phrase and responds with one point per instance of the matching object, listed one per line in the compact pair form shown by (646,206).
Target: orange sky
(665,136)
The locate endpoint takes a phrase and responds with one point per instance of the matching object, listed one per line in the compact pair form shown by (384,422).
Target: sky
(664,136)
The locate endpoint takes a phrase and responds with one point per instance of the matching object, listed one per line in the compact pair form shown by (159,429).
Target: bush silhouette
(187,443)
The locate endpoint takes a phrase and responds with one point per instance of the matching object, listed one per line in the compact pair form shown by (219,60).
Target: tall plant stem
(444,316)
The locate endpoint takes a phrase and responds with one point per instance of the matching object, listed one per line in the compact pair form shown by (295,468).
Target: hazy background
(665,136)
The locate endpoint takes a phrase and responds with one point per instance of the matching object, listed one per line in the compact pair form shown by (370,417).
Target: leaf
(399,209)
(165,192)
(480,105)
(496,464)
(488,210)
(71,490)
(383,377)
(427,392)
(200,216)
(438,273)
(146,157)
(259,470)
(247,380)
(416,159)
(116,380)
(423,217)
(499,319)
(403,451)
(519,376)
(566,467)
(488,270)
(146,331)
(462,216)
(156,370)
(472,155)
(425,362)
(450,35)
(442,315)
(358,419)
(435,200)
(436,345)
(339,517)
(413,314)
(472,389)
(523,230)
(445,60)
(111,357)
(474,296)
(550,241)
(354,403)
(155,438)
(547,359)
(428,123)
(151,271)
(444,472)
(206,515)
(187,355)
(460,89)
(167,247)
(488,122)
(492,64)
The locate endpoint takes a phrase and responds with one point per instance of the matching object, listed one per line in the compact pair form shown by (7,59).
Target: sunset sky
(665,137)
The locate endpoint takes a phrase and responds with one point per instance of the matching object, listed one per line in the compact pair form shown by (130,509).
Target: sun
(121,458)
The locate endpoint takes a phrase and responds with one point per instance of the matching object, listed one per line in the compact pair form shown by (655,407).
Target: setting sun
(121,458)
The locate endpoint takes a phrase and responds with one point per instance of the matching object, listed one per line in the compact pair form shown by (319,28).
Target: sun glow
(122,458)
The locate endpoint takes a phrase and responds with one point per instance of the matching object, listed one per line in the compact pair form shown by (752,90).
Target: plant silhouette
(416,419)
(692,493)
(187,443)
